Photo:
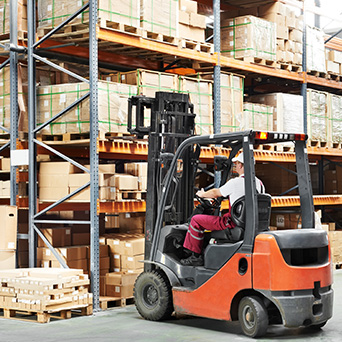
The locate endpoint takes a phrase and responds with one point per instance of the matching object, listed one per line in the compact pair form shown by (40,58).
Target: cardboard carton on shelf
(8,228)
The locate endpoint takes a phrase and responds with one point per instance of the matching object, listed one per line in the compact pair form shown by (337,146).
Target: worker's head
(239,163)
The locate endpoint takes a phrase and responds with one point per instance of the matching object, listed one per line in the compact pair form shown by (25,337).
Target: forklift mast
(171,121)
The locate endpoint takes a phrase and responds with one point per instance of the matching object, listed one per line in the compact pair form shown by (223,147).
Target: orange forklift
(259,277)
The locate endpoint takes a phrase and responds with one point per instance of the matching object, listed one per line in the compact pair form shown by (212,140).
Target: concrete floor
(125,324)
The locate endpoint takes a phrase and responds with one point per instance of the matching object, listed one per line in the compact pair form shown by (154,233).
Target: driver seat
(238,216)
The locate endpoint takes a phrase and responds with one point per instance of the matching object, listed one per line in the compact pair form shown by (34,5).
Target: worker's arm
(212,193)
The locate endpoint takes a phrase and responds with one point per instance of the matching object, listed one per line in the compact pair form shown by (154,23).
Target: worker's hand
(200,193)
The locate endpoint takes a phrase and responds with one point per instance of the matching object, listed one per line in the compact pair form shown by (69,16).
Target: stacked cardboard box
(112,99)
(333,60)
(286,221)
(201,96)
(159,17)
(191,24)
(232,90)
(117,11)
(289,31)
(138,170)
(5,189)
(132,223)
(120,284)
(257,117)
(40,289)
(248,36)
(335,238)
(5,16)
(287,110)
(5,164)
(8,233)
(315,50)
(317,115)
(333,181)
(126,250)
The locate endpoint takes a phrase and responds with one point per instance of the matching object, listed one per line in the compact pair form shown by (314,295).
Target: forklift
(260,276)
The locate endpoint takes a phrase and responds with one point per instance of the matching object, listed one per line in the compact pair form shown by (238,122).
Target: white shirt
(235,188)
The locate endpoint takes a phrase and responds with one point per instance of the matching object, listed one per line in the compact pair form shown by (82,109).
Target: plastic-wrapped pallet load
(315,50)
(112,98)
(232,88)
(317,115)
(160,16)
(201,96)
(288,110)
(51,13)
(335,117)
(257,116)
(248,36)
(5,16)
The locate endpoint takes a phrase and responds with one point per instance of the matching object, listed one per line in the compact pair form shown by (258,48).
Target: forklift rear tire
(153,296)
(253,316)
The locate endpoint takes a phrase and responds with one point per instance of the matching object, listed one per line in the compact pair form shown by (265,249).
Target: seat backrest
(238,212)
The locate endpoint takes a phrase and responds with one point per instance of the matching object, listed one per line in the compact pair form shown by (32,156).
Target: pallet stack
(333,62)
(289,34)
(249,38)
(191,24)
(257,116)
(5,18)
(315,51)
(44,291)
(112,99)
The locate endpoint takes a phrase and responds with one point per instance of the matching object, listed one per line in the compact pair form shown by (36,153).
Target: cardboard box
(67,253)
(79,239)
(53,193)
(126,182)
(134,246)
(5,164)
(115,261)
(120,278)
(7,259)
(8,228)
(58,168)
(58,237)
(132,262)
(121,291)
(136,169)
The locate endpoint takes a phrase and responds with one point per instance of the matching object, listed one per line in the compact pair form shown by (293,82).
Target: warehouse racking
(157,51)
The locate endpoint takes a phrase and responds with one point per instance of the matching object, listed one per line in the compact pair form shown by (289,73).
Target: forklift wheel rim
(150,295)
(248,317)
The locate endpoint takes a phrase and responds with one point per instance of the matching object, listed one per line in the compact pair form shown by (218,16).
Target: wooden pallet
(117,26)
(159,37)
(289,67)
(196,46)
(22,35)
(333,76)
(110,302)
(337,145)
(257,60)
(316,73)
(45,316)
(318,143)
(65,137)
(265,147)
(129,195)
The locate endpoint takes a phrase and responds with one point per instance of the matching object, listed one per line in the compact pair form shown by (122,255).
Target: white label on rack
(11,245)
(130,259)
(280,221)
(46,115)
(127,215)
(1,110)
(1,84)
(116,256)
(46,103)
(49,8)
(19,157)
(79,3)
(231,43)
(231,33)
(123,77)
(47,252)
(117,289)
(115,242)
(128,244)
(46,90)
(67,231)
(231,23)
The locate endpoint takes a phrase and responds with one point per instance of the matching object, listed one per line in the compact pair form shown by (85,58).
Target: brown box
(131,221)
(134,246)
(58,237)
(126,182)
(136,169)
(132,262)
(8,228)
(122,291)
(119,278)
(67,253)
(79,239)
(5,164)
(57,168)
(7,259)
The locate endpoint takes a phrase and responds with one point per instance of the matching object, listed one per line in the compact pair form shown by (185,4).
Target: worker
(234,189)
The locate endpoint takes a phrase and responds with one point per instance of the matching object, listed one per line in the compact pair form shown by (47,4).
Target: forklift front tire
(153,296)
(253,316)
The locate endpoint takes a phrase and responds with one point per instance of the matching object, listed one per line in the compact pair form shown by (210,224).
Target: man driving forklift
(233,189)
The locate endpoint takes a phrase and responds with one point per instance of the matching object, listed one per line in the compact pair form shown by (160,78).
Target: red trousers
(198,224)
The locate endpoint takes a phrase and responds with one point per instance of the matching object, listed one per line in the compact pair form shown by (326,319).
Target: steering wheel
(214,204)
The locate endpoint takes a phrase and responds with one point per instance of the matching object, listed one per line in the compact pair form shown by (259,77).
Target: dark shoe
(193,260)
